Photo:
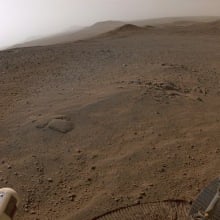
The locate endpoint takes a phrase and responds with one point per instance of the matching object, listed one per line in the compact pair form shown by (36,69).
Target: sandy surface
(131,116)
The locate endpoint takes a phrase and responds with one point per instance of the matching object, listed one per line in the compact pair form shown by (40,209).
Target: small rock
(60,125)
(142,194)
(50,180)
(42,123)
(137,201)
(32,212)
(78,151)
(117,199)
(93,168)
(140,197)
(94,156)
(162,170)
(199,99)
(72,197)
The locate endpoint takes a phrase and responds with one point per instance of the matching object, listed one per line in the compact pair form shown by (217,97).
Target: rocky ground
(128,117)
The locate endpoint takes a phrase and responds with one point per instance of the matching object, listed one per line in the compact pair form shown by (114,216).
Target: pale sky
(23,19)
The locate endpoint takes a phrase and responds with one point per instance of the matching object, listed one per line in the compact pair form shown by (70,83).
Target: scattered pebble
(93,168)
(50,180)
(199,99)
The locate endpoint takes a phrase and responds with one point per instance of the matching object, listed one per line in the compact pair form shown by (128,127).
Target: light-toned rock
(60,125)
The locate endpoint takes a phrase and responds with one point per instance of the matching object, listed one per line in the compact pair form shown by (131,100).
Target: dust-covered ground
(131,116)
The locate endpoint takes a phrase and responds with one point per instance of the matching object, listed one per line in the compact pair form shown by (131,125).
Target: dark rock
(199,99)
(50,180)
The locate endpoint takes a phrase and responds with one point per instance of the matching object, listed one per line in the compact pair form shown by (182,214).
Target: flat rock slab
(42,123)
(60,125)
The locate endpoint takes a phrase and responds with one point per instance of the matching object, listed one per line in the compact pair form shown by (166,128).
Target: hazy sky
(23,19)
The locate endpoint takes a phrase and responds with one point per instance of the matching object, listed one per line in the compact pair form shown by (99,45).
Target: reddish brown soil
(91,126)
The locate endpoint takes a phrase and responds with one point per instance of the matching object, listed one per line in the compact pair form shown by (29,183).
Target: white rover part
(8,203)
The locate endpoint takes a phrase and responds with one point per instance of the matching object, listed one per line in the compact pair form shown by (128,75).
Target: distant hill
(84,33)
(170,20)
(128,28)
(50,40)
(124,30)
(115,26)
(207,28)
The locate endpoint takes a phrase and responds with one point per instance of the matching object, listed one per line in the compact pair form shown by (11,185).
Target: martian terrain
(126,117)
